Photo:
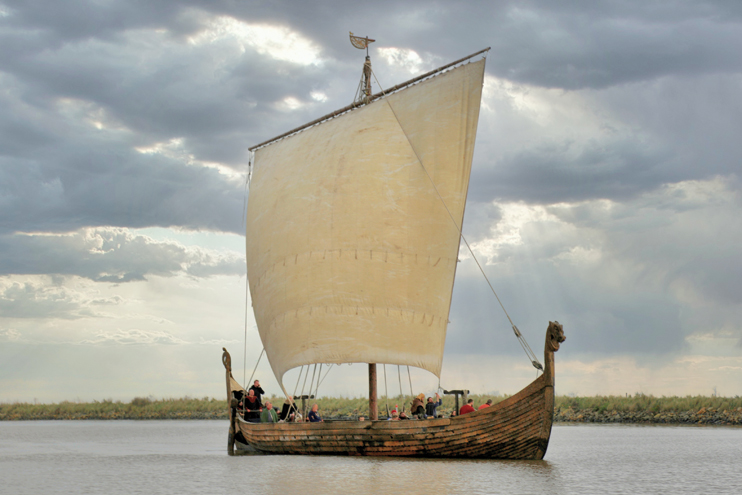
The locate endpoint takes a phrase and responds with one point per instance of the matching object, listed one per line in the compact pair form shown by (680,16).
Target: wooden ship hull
(517,428)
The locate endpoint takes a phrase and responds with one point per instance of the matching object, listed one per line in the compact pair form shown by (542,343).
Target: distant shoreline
(638,409)
(704,416)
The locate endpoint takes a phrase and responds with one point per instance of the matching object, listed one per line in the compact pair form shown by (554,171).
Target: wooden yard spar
(353,231)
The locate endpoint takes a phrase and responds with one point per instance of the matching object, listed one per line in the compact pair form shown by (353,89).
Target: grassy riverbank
(608,409)
(649,409)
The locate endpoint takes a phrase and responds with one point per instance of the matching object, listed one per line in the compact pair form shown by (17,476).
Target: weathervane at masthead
(363,93)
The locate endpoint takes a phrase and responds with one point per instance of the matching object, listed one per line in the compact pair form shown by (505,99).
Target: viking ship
(353,234)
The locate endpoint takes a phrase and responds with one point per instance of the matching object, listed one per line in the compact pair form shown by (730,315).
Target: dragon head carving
(554,336)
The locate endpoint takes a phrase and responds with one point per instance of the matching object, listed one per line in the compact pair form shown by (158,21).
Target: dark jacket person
(258,391)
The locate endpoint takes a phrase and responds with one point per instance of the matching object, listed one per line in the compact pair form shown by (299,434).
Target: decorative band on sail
(396,258)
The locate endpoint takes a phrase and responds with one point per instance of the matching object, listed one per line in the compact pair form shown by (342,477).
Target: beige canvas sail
(351,253)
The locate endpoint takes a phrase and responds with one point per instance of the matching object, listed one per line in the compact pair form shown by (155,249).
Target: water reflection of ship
(353,232)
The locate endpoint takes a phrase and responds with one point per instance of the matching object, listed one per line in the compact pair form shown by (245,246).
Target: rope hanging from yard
(401,392)
(316,389)
(412,392)
(314,372)
(326,373)
(297,380)
(386,393)
(256,366)
(305,381)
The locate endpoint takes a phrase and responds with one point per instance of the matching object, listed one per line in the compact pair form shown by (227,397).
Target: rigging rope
(316,389)
(244,352)
(531,356)
(256,365)
(247,284)
(412,392)
(297,379)
(304,412)
(305,381)
(386,393)
(326,373)
(311,384)
(401,392)
(247,190)
(399,376)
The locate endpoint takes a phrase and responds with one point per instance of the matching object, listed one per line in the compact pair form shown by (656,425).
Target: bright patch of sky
(507,231)
(318,96)
(221,241)
(278,42)
(176,149)
(402,57)
(289,103)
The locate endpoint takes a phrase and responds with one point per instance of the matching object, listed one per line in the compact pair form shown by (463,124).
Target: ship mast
(363,95)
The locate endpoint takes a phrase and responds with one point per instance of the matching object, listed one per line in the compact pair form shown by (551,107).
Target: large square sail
(353,228)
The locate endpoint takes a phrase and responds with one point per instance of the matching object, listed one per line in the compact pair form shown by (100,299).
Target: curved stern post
(227,362)
(554,337)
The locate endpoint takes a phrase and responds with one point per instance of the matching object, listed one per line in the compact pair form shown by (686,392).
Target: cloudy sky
(605,187)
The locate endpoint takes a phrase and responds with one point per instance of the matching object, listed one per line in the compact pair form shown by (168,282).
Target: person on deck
(259,392)
(269,414)
(395,416)
(252,407)
(313,416)
(418,409)
(487,404)
(289,410)
(430,407)
(467,408)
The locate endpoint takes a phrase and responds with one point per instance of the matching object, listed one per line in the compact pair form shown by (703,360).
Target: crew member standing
(258,391)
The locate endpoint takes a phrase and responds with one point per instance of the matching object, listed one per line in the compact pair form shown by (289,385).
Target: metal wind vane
(363,93)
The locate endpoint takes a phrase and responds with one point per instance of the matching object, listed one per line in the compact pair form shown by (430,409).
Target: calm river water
(183,457)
